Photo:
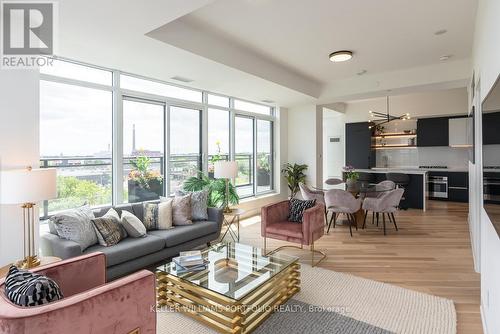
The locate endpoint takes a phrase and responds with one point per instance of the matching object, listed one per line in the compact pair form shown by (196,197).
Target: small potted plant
(144,184)
(351,176)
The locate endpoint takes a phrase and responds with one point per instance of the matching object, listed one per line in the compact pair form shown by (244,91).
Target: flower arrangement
(142,174)
(350,173)
(215,157)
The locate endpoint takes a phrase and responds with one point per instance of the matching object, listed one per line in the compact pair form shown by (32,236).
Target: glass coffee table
(239,289)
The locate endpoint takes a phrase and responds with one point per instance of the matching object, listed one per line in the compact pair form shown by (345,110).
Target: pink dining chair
(339,201)
(275,225)
(89,306)
(386,204)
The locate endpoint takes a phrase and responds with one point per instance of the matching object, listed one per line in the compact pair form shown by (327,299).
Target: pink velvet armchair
(275,225)
(90,305)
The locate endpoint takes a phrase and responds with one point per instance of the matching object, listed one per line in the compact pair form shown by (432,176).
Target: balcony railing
(89,179)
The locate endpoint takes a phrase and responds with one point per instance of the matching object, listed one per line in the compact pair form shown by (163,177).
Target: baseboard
(483,320)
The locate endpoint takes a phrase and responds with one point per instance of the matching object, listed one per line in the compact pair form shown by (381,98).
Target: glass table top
(234,269)
(366,187)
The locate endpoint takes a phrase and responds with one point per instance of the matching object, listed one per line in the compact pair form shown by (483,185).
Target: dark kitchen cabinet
(432,131)
(491,126)
(358,145)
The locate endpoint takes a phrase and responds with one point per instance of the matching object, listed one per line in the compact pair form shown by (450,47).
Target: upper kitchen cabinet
(358,145)
(491,133)
(433,131)
(459,133)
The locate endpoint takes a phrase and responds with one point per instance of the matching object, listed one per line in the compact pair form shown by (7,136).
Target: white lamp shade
(27,186)
(225,169)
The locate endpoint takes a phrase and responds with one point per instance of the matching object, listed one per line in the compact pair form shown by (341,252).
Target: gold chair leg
(323,255)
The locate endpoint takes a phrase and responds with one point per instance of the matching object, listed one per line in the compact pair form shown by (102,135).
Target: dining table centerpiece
(351,176)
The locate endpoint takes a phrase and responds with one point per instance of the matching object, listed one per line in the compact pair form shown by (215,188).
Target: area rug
(332,302)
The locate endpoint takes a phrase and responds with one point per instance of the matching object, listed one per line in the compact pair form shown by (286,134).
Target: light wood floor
(431,253)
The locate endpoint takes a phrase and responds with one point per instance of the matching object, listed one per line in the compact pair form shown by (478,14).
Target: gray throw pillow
(76,225)
(181,210)
(199,203)
(107,230)
(135,228)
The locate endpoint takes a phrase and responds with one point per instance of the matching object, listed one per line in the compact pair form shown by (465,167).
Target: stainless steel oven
(437,186)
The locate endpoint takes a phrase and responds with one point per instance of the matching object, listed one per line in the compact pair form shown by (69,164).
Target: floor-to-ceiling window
(117,138)
(185,145)
(143,150)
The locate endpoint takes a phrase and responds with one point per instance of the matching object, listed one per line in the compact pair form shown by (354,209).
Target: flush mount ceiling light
(445,57)
(378,118)
(441,32)
(340,56)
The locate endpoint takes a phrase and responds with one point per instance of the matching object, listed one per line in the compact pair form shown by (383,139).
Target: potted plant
(216,189)
(263,170)
(216,157)
(351,175)
(294,175)
(144,184)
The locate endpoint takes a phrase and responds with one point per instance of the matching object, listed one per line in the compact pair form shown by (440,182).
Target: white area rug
(382,305)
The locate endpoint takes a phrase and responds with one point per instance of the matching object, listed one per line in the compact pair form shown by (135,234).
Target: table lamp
(26,187)
(226,170)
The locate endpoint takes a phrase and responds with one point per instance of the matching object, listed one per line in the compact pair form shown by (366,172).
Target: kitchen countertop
(413,169)
(393,170)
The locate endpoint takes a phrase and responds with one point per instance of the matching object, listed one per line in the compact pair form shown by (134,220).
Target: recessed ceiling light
(339,56)
(445,57)
(441,32)
(361,72)
(267,101)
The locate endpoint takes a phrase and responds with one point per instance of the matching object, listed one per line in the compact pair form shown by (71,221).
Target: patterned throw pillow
(181,210)
(108,231)
(113,214)
(158,216)
(76,225)
(25,288)
(199,203)
(297,208)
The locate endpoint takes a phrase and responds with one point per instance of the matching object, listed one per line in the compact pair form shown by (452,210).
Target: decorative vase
(350,183)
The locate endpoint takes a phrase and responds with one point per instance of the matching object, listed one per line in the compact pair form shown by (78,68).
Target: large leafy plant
(216,189)
(294,175)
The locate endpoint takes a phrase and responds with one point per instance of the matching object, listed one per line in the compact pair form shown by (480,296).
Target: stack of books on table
(190,261)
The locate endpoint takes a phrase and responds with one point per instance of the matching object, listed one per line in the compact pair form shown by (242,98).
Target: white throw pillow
(113,214)
(165,213)
(133,225)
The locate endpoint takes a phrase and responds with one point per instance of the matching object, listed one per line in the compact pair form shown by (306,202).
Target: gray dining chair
(386,183)
(386,204)
(309,194)
(339,201)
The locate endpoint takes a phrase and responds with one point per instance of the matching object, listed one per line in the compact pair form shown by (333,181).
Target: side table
(230,219)
(43,261)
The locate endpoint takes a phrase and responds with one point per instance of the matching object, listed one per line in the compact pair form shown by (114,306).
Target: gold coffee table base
(225,314)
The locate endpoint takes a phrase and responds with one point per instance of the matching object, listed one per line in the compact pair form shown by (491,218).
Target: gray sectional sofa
(132,254)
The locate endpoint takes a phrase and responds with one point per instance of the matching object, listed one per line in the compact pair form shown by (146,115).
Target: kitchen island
(416,191)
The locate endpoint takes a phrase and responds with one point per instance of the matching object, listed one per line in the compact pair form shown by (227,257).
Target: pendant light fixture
(378,118)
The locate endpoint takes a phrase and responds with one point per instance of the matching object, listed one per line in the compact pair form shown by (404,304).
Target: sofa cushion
(128,249)
(180,234)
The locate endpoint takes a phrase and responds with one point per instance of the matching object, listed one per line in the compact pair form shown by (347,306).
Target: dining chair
(385,204)
(402,181)
(340,201)
(309,194)
(386,183)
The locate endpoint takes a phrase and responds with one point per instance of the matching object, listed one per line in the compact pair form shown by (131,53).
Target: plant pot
(263,178)
(211,175)
(137,193)
(351,182)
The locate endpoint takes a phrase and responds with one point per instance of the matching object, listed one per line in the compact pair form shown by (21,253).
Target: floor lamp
(27,187)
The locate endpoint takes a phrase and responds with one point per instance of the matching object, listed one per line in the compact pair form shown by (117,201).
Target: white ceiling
(275,49)
(385,35)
